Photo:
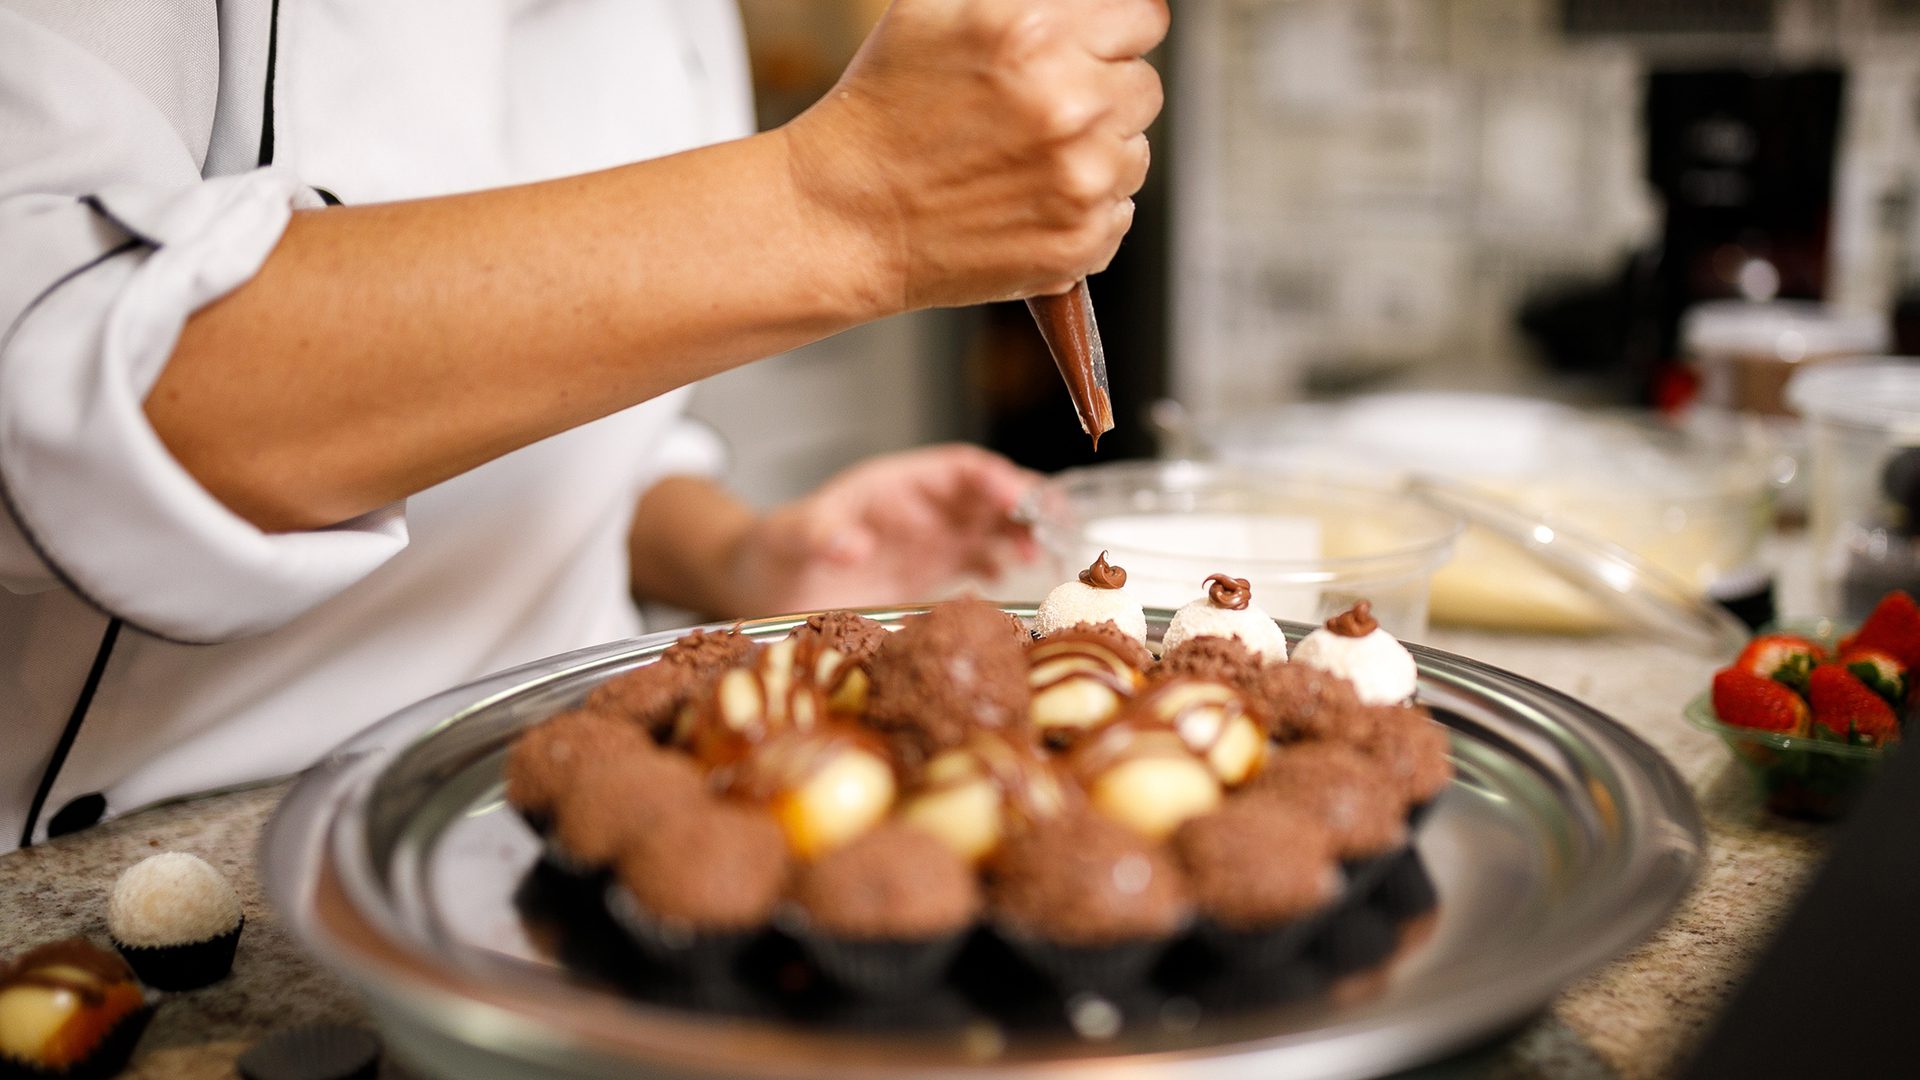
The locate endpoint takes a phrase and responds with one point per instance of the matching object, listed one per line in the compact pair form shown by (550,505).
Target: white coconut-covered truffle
(1100,595)
(171,899)
(1354,647)
(1228,611)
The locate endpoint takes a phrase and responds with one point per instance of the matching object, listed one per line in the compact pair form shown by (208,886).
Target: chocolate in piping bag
(1066,321)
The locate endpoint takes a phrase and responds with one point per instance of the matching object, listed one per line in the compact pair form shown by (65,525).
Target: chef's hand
(990,148)
(893,529)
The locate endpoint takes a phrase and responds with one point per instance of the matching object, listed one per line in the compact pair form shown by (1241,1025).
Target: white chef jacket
(131,193)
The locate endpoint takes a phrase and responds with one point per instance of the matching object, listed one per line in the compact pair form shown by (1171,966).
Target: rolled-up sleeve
(112,239)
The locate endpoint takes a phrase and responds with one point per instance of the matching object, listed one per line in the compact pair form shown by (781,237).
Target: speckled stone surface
(1638,1017)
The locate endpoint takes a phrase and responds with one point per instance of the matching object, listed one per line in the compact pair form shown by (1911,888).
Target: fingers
(1125,29)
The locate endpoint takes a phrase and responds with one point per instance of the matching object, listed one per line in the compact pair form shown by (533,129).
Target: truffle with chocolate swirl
(792,684)
(1215,720)
(66,1009)
(1081,677)
(825,785)
(1227,610)
(651,695)
(975,794)
(1353,646)
(1099,596)
(1139,772)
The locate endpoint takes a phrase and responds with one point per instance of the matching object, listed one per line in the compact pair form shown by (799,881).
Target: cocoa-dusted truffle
(650,695)
(896,883)
(848,632)
(1258,862)
(709,864)
(1409,744)
(950,671)
(545,758)
(1345,790)
(618,795)
(1304,703)
(1219,659)
(1080,879)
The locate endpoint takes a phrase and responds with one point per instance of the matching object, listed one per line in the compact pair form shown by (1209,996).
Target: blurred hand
(989,148)
(889,530)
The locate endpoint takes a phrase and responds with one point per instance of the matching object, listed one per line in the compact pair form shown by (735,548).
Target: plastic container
(1863,433)
(1309,549)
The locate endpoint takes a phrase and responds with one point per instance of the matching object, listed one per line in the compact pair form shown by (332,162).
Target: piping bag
(1066,321)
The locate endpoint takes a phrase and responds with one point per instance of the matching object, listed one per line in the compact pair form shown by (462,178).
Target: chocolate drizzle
(1103,575)
(1026,781)
(1079,660)
(1231,593)
(1230,705)
(97,969)
(788,760)
(1356,621)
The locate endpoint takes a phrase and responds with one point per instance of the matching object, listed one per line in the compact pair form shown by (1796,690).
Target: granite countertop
(1637,1017)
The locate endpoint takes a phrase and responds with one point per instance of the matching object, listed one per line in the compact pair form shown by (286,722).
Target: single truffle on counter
(545,757)
(1408,743)
(847,632)
(176,919)
(1080,879)
(1353,646)
(1215,658)
(1227,610)
(957,668)
(1343,789)
(895,883)
(708,865)
(1142,775)
(69,1008)
(1303,703)
(1099,597)
(615,797)
(1081,677)
(651,695)
(976,793)
(824,786)
(1257,863)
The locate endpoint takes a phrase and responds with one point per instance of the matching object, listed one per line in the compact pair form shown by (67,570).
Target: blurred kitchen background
(1518,196)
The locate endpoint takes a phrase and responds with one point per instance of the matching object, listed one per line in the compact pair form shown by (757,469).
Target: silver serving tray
(1563,841)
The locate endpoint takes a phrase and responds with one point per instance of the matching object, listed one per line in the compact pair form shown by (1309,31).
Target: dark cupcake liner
(880,967)
(332,1051)
(1263,948)
(184,967)
(1098,968)
(1365,873)
(110,1055)
(1419,812)
(1405,890)
(675,944)
(1358,937)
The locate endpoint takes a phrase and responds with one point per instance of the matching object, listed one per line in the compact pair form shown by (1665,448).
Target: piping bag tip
(1073,337)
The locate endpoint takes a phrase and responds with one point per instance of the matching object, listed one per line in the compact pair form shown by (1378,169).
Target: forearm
(681,549)
(382,349)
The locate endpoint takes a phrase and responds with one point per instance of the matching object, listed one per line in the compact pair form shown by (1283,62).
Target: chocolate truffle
(1342,788)
(1080,879)
(1081,677)
(1227,610)
(847,632)
(707,864)
(176,919)
(1098,597)
(1304,703)
(1220,659)
(1144,776)
(946,673)
(67,1008)
(616,796)
(792,684)
(1215,720)
(652,694)
(1352,645)
(1258,862)
(974,794)
(824,786)
(545,758)
(1410,745)
(895,883)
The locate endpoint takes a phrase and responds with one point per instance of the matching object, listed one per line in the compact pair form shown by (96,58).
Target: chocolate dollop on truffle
(1080,879)
(950,671)
(1356,621)
(1104,575)
(896,883)
(1231,593)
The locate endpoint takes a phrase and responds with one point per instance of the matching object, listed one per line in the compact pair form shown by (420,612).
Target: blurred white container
(1308,548)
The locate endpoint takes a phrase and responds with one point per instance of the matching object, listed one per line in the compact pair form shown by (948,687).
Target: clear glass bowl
(1799,777)
(1310,549)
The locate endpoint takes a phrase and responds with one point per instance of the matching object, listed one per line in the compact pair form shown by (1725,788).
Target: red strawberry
(1783,658)
(1883,674)
(1744,699)
(1893,626)
(1845,706)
